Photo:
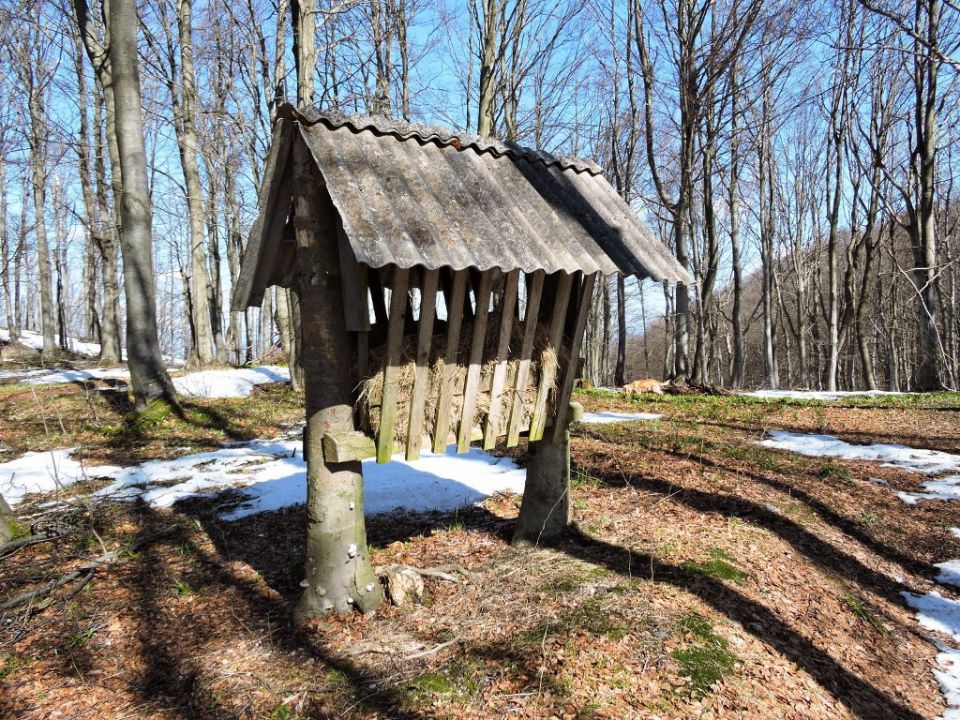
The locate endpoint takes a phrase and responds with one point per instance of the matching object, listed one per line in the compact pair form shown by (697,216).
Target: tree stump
(545,509)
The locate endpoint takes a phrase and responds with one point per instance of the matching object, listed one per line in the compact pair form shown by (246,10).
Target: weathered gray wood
(346,446)
(388,403)
(538,417)
(454,323)
(356,314)
(575,412)
(428,303)
(472,385)
(570,372)
(492,426)
(275,193)
(363,355)
(526,351)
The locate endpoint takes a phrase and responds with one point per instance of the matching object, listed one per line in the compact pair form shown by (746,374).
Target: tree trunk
(148,376)
(619,375)
(338,574)
(545,509)
(38,176)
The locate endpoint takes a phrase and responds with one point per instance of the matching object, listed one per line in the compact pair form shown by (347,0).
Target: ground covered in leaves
(706,577)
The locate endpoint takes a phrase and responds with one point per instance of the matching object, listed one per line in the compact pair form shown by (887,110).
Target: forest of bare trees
(797,158)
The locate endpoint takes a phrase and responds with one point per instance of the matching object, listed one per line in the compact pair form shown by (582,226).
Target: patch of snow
(434,482)
(947,674)
(935,612)
(955,531)
(599,418)
(35,341)
(81,375)
(949,573)
(231,383)
(271,475)
(44,472)
(929,462)
(816,394)
(161,483)
(18,374)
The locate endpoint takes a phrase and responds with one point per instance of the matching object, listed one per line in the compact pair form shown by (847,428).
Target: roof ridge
(403,130)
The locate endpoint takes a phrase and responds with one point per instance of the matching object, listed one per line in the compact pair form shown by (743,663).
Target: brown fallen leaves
(705,578)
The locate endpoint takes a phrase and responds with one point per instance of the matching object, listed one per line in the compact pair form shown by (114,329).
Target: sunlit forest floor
(706,576)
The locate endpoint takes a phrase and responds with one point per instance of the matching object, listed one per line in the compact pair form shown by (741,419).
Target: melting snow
(928,462)
(270,475)
(816,394)
(81,375)
(615,417)
(35,341)
(44,472)
(236,382)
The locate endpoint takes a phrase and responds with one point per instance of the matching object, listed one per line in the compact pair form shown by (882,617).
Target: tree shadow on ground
(859,696)
(762,515)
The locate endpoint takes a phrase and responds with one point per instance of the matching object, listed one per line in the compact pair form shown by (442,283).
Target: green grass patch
(831,471)
(707,658)
(719,565)
(863,610)
(10,664)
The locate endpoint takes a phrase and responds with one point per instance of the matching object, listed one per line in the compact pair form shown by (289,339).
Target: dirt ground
(705,577)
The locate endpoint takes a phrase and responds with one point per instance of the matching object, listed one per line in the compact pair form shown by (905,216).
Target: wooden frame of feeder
(564,320)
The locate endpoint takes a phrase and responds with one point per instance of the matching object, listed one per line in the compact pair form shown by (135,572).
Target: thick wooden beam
(548,372)
(584,296)
(492,426)
(454,323)
(388,403)
(472,385)
(428,303)
(531,316)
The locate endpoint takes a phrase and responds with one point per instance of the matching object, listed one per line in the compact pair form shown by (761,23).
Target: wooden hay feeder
(444,280)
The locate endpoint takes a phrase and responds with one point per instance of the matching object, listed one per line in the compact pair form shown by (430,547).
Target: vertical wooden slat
(526,351)
(472,385)
(538,417)
(491,428)
(454,322)
(363,336)
(428,304)
(570,373)
(388,404)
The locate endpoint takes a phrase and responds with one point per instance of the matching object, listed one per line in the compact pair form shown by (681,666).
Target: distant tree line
(797,158)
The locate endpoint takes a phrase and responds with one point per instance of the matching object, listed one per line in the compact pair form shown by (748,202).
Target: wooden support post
(428,302)
(338,576)
(388,402)
(472,385)
(545,508)
(454,323)
(562,405)
(548,371)
(492,426)
(531,317)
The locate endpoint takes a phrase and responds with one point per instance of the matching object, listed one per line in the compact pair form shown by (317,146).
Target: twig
(434,649)
(87,569)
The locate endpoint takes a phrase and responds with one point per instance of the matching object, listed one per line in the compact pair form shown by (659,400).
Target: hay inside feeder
(371,389)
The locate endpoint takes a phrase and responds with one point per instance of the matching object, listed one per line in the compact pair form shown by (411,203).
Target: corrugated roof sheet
(413,195)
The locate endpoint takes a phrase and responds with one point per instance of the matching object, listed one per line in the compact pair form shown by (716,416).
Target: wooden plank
(353,279)
(570,372)
(421,381)
(388,404)
(454,323)
(347,445)
(538,417)
(492,426)
(472,385)
(526,351)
